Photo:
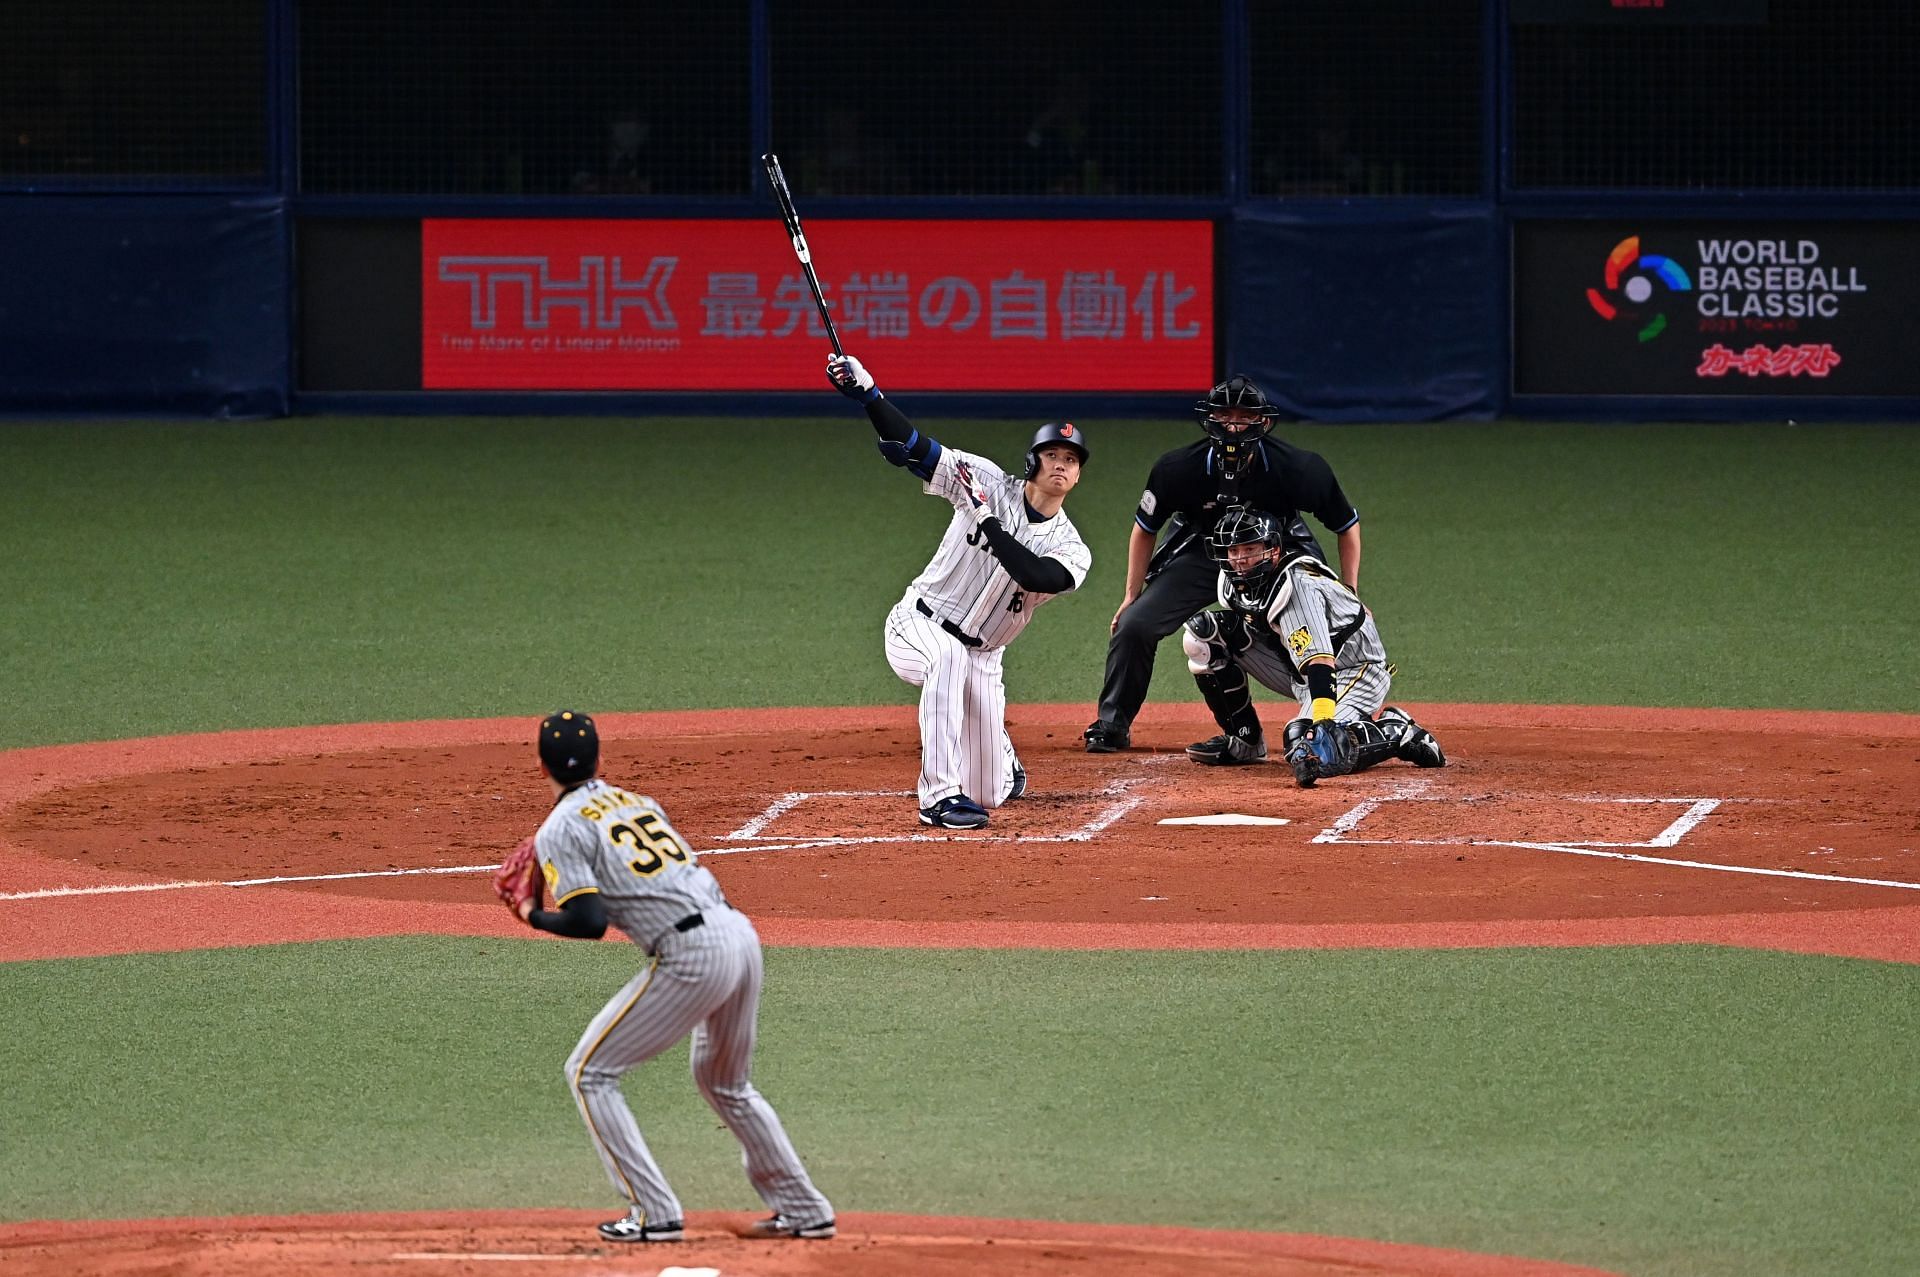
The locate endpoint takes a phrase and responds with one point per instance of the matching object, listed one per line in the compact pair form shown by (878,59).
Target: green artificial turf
(189,576)
(1685,1111)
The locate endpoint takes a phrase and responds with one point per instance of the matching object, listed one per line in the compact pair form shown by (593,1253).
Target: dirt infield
(478,1244)
(1550,827)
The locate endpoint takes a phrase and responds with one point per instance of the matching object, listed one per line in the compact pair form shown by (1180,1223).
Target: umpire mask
(1236,415)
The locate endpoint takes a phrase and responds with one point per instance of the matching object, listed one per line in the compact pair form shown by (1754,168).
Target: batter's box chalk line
(1697,810)
(1118,793)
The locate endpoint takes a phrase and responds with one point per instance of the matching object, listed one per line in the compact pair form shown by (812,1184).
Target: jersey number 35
(652,844)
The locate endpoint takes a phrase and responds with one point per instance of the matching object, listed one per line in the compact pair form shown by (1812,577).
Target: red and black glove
(518,881)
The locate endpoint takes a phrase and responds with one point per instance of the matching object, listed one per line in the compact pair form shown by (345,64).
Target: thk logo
(1631,293)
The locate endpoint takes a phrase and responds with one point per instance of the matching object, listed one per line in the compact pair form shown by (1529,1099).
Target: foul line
(1106,817)
(1701,864)
(135,887)
(1698,809)
(1412,790)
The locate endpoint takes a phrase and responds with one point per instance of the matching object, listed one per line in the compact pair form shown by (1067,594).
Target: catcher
(610,856)
(1292,624)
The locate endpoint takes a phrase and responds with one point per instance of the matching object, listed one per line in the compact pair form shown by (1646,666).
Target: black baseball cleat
(1414,743)
(1104,737)
(955,811)
(1228,751)
(781,1226)
(1019,789)
(629,1228)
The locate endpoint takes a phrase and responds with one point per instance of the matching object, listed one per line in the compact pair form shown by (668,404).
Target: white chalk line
(460,1256)
(1102,820)
(1413,790)
(509,1257)
(1698,809)
(750,832)
(136,887)
(1581,850)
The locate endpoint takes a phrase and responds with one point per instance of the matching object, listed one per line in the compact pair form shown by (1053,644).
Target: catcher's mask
(569,746)
(1061,432)
(1236,415)
(1247,546)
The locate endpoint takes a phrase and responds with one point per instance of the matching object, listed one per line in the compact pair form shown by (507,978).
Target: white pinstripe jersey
(965,583)
(599,837)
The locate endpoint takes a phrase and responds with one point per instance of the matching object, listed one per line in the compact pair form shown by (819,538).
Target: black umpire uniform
(1189,488)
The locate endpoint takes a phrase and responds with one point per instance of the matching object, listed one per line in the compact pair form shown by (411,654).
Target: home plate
(1225,818)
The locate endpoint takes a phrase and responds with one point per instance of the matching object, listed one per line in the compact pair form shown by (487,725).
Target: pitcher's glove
(518,881)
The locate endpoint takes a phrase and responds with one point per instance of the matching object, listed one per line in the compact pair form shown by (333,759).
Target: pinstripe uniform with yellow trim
(1310,612)
(703,979)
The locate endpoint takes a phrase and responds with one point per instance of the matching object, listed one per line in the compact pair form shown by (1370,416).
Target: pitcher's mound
(496,1244)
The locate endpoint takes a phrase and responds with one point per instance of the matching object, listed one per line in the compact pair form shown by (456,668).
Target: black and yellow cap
(569,746)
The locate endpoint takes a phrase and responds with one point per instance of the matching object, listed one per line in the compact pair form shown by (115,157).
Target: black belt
(947,625)
(691,922)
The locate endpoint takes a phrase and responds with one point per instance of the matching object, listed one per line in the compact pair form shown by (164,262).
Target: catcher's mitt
(1328,750)
(518,881)
(1333,748)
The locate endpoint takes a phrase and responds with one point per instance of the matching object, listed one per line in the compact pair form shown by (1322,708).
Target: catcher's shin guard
(1412,742)
(1226,695)
(1373,743)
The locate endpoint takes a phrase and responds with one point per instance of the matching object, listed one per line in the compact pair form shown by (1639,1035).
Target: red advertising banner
(564,304)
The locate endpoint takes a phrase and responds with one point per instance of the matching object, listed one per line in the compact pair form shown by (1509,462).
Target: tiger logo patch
(1298,640)
(552,875)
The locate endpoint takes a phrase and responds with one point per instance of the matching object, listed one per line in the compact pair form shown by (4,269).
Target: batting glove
(973,496)
(850,379)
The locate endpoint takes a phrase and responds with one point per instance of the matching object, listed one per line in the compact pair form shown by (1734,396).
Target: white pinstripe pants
(964,747)
(706,982)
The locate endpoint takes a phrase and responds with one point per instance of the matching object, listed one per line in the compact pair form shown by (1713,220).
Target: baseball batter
(609,855)
(1008,549)
(1295,626)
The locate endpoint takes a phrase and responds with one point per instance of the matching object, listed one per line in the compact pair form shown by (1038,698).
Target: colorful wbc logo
(1630,279)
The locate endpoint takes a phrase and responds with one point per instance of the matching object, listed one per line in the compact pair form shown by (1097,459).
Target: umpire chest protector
(1282,479)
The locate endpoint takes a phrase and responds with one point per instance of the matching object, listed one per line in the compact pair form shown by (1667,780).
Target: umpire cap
(1060,432)
(569,746)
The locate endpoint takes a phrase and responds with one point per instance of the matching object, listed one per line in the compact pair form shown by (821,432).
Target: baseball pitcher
(1008,549)
(611,856)
(1295,626)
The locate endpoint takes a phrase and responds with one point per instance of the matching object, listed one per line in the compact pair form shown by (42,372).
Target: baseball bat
(799,237)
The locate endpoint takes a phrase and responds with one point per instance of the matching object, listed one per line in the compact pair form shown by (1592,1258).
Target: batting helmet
(569,746)
(1236,440)
(1241,527)
(1060,432)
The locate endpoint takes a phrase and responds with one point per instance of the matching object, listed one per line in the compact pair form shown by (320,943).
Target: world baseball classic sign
(1787,308)
(564,304)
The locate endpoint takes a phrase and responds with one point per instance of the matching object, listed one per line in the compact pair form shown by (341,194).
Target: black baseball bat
(799,237)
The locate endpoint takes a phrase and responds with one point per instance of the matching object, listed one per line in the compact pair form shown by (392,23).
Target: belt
(948,626)
(691,922)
